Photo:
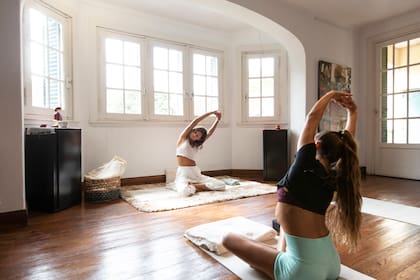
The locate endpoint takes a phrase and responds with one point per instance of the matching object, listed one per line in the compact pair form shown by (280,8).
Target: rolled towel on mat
(210,235)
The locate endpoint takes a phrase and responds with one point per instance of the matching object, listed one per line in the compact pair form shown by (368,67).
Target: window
(263,84)
(47,61)
(206,82)
(168,83)
(148,79)
(400,92)
(123,76)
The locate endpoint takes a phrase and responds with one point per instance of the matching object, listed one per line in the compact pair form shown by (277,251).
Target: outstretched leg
(258,255)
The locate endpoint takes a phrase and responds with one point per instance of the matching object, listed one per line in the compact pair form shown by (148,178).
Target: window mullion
(188,79)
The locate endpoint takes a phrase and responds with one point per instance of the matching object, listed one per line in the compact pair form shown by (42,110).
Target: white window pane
(390,57)
(38,26)
(55,63)
(400,83)
(132,78)
(212,104)
(38,59)
(414,131)
(212,86)
(39,91)
(56,93)
(389,131)
(114,50)
(160,58)
(414,105)
(132,102)
(211,65)
(199,85)
(387,82)
(414,77)
(160,81)
(415,51)
(400,131)
(176,104)
(267,107)
(387,109)
(400,106)
(175,60)
(199,105)
(254,67)
(254,87)
(199,62)
(175,82)
(254,108)
(114,101)
(401,54)
(131,54)
(114,76)
(267,87)
(267,67)
(386,131)
(54,34)
(161,103)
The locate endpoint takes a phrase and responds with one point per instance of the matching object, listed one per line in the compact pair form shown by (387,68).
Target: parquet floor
(115,241)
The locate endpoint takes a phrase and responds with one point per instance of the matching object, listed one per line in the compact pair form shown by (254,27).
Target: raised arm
(351,115)
(184,134)
(314,116)
(214,125)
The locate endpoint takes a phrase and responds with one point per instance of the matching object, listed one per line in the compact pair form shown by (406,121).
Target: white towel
(210,235)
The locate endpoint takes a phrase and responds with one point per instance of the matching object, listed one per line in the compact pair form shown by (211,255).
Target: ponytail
(344,219)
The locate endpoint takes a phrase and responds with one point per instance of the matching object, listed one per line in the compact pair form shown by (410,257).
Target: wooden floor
(115,241)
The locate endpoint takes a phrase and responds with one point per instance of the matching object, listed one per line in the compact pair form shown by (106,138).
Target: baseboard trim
(143,180)
(13,219)
(242,173)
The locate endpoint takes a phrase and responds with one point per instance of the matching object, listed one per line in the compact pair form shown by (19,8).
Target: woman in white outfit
(189,179)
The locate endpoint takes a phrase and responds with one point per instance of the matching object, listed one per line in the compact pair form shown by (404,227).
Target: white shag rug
(158,197)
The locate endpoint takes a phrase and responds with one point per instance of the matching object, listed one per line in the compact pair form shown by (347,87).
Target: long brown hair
(343,219)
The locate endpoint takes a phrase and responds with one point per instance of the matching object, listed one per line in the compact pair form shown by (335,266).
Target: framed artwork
(333,76)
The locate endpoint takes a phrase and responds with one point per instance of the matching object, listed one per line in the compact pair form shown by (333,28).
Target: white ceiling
(343,13)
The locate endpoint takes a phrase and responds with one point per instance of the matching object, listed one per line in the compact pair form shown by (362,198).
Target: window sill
(147,123)
(263,124)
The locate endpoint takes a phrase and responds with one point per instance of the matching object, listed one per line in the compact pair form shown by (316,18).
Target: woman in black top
(326,165)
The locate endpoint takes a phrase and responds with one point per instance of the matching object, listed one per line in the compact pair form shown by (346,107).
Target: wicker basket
(102,189)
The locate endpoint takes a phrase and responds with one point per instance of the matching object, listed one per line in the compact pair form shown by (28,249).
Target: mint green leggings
(307,258)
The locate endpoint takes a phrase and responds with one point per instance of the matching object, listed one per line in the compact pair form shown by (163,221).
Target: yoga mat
(391,210)
(245,272)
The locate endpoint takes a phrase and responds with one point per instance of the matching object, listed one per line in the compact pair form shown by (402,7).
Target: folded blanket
(210,235)
(231,181)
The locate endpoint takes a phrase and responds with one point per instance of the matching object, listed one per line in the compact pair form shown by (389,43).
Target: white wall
(11,148)
(150,149)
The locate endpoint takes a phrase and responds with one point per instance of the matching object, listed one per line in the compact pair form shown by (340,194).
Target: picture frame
(332,76)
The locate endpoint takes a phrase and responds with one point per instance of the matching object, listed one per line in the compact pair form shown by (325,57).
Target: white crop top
(186,150)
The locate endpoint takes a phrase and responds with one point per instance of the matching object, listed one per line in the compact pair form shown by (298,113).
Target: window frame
(42,113)
(147,65)
(380,94)
(220,71)
(103,34)
(280,86)
(150,85)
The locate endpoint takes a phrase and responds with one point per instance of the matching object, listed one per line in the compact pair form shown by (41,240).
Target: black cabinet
(52,168)
(275,154)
